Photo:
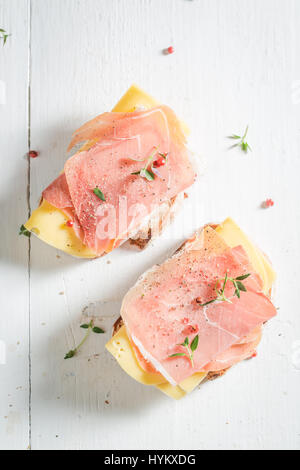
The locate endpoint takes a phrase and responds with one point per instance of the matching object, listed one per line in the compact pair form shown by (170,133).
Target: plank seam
(29,214)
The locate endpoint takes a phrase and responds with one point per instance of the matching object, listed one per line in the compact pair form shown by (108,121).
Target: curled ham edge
(246,345)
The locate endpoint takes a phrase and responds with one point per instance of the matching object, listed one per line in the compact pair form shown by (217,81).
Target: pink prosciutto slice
(240,351)
(164,308)
(122,144)
(58,195)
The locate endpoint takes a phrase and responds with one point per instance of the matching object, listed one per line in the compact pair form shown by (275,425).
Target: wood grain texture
(14,292)
(235,63)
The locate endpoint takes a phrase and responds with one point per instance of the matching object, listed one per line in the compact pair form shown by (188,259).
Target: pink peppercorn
(33,154)
(267,203)
(168,50)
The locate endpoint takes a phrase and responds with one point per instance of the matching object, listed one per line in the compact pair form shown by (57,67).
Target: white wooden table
(236,62)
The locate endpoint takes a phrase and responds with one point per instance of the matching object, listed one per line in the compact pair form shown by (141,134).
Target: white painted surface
(14,281)
(236,63)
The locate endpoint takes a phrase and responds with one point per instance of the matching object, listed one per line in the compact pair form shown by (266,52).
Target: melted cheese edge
(234,236)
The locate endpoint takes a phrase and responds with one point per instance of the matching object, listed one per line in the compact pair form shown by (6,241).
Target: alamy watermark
(126,219)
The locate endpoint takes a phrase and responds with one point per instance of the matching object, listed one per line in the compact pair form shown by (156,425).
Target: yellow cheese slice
(234,236)
(172,391)
(133,98)
(184,387)
(119,346)
(189,384)
(49,224)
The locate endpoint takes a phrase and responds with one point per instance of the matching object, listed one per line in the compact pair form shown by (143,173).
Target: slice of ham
(251,337)
(58,191)
(57,194)
(163,307)
(240,351)
(122,144)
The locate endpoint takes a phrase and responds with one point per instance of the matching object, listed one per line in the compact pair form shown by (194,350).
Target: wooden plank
(235,63)
(14,287)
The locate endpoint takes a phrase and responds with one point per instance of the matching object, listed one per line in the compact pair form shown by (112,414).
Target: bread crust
(160,220)
(117,325)
(216,374)
(140,242)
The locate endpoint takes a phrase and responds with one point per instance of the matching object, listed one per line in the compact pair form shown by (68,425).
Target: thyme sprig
(89,327)
(23,231)
(191,348)
(237,283)
(242,143)
(4,35)
(144,172)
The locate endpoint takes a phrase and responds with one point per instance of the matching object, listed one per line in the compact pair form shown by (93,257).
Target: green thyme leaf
(144,172)
(241,286)
(241,278)
(70,354)
(148,174)
(178,354)
(24,231)
(244,146)
(99,193)
(242,142)
(89,327)
(237,293)
(190,349)
(98,330)
(194,343)
(224,284)
(207,303)
(4,35)
(163,155)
